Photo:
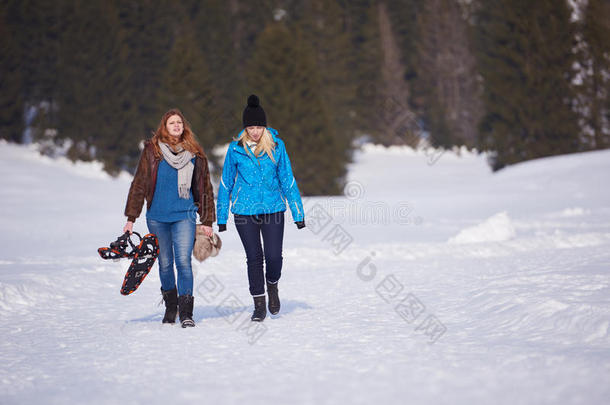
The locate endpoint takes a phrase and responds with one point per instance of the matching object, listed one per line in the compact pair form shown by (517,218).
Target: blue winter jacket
(258,185)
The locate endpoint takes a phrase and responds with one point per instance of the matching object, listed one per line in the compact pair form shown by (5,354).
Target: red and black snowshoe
(143,255)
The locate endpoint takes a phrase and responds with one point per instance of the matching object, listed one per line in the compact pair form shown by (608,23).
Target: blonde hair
(265,143)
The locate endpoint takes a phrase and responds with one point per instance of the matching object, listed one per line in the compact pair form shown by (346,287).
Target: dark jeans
(250,228)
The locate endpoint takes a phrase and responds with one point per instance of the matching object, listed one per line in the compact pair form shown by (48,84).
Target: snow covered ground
(427,284)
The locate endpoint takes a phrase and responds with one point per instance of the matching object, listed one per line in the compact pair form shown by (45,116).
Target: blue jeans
(250,228)
(176,240)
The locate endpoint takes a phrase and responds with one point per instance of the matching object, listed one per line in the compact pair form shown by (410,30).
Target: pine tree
(446,87)
(403,15)
(248,19)
(147,28)
(214,26)
(525,58)
(398,123)
(323,24)
(283,73)
(92,98)
(33,29)
(363,26)
(11,83)
(187,86)
(595,56)
(380,71)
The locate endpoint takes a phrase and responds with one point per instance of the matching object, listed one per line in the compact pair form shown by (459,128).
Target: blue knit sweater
(167,206)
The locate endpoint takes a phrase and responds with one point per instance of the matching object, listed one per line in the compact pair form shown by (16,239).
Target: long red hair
(187,139)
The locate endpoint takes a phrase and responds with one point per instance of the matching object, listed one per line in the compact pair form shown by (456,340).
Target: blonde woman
(256,184)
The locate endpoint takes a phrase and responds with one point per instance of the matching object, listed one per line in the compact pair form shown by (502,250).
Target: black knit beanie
(254,115)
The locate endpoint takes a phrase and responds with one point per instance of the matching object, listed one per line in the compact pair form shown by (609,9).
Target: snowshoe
(120,248)
(143,255)
(146,254)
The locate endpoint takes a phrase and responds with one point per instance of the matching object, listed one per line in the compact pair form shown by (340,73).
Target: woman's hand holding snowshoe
(128,227)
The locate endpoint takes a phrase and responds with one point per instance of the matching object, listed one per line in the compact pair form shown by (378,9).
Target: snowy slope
(427,284)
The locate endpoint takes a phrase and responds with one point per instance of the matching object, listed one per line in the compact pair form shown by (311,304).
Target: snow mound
(497,228)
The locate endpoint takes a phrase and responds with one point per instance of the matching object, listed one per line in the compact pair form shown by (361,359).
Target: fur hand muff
(205,246)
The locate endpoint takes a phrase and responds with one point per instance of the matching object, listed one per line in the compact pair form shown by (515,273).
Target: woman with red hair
(173,177)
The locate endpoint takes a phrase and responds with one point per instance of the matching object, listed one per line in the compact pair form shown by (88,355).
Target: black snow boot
(171,305)
(274,298)
(260,312)
(185,303)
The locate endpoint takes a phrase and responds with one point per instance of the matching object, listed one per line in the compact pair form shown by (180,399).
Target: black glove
(222,227)
(300,224)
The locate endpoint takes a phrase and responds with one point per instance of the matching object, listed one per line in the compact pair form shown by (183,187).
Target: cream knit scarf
(180,161)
